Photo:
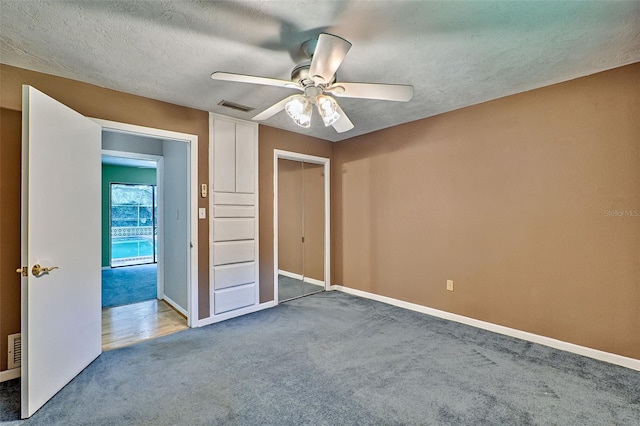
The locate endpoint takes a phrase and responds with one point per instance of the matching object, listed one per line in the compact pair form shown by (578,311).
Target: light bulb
(328,109)
(299,108)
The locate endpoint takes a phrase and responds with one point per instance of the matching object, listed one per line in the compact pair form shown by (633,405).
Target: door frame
(159,160)
(192,141)
(326,163)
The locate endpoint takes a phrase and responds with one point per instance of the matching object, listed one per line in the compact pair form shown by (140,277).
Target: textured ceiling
(455,54)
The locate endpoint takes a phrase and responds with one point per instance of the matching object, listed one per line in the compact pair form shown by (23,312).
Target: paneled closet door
(234,216)
(224,156)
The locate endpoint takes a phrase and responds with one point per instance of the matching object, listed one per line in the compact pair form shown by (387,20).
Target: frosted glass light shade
(328,109)
(299,108)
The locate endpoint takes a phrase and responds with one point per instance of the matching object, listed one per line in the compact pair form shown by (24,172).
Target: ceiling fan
(317,80)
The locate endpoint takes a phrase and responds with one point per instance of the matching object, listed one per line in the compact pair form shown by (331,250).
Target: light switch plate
(202,213)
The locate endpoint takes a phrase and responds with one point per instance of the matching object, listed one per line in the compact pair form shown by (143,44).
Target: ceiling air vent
(235,106)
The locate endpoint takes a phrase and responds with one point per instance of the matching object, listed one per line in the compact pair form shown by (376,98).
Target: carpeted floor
(290,288)
(335,359)
(129,284)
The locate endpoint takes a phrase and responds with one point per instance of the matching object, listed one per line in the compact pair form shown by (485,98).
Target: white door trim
(192,140)
(295,156)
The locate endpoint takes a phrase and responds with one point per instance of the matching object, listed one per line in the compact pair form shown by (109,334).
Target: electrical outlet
(450,285)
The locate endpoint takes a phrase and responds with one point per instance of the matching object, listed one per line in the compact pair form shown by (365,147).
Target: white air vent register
(15,351)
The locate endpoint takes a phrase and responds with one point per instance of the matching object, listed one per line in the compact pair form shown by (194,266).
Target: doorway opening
(129,225)
(301,225)
(129,228)
(147,206)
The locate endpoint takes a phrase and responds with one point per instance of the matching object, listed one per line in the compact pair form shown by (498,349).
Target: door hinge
(24,271)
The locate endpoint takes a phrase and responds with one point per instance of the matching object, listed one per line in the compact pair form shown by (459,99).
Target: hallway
(129,324)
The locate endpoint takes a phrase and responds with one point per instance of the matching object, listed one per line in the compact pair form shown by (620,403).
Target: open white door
(61,309)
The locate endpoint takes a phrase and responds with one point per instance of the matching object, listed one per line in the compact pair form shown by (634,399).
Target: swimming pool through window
(133,224)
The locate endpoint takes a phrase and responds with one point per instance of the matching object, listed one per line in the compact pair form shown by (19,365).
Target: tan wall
(95,102)
(509,199)
(290,247)
(10,158)
(271,139)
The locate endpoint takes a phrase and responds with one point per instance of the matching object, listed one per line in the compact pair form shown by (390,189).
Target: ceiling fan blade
(383,92)
(327,57)
(243,78)
(343,123)
(273,110)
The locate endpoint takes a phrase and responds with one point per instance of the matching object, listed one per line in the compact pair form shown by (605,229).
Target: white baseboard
(5,375)
(313,281)
(233,314)
(289,274)
(300,277)
(623,361)
(175,306)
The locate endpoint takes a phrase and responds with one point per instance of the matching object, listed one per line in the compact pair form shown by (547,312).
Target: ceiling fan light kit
(299,108)
(328,109)
(317,79)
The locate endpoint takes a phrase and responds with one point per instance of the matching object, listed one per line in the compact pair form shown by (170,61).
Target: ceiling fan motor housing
(300,74)
(312,93)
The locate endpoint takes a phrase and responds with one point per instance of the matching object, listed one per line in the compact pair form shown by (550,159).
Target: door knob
(37,269)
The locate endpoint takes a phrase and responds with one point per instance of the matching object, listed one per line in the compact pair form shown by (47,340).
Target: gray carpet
(335,359)
(290,288)
(129,284)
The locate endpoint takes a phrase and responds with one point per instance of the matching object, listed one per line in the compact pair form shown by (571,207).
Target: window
(134,224)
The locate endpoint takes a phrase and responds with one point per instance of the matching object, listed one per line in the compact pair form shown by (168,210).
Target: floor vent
(235,106)
(15,351)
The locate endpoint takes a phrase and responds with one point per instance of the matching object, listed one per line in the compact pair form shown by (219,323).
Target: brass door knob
(37,270)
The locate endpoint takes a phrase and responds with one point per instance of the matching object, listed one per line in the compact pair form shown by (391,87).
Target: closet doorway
(301,224)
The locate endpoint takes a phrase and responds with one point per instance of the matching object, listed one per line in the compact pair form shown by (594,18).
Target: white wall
(116,141)
(176,221)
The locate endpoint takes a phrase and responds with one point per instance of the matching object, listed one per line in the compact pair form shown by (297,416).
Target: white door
(61,309)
